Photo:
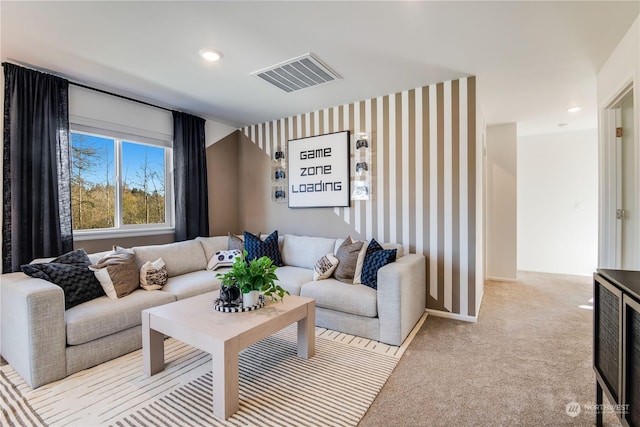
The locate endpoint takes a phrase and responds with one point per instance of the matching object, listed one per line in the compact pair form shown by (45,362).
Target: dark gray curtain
(37,193)
(190,176)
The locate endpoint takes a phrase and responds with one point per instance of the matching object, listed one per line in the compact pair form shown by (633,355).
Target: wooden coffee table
(195,322)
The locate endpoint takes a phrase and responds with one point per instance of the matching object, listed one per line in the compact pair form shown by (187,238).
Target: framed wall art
(319,171)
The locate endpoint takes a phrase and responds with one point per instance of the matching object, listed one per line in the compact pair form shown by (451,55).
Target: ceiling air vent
(297,73)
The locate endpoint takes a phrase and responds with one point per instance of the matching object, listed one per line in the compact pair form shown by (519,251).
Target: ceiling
(532,60)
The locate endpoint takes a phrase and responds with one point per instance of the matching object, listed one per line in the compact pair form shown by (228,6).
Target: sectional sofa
(44,342)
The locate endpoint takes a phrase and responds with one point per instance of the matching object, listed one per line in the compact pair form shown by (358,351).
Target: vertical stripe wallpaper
(424,179)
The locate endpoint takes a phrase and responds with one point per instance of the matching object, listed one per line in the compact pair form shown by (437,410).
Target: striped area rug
(277,388)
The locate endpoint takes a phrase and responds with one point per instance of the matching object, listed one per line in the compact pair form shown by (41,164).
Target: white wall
(501,202)
(621,69)
(558,202)
(104,111)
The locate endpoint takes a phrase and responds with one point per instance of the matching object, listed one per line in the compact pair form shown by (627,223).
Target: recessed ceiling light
(574,109)
(211,54)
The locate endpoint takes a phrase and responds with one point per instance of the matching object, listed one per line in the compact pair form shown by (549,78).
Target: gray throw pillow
(347,255)
(235,243)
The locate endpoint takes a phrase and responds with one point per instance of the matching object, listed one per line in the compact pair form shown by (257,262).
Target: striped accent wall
(425,179)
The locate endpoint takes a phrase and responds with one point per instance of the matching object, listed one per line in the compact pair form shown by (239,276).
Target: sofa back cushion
(179,257)
(211,245)
(305,251)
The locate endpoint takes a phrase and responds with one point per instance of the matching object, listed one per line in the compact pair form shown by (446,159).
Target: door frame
(609,248)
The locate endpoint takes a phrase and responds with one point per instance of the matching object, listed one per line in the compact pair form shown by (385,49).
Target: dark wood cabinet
(616,342)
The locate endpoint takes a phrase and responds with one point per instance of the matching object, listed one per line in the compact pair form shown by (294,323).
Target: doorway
(628,190)
(627,227)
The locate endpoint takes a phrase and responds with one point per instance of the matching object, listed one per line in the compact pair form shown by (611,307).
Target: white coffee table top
(198,316)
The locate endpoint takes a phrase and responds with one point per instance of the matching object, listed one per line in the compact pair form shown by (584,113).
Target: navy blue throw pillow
(71,272)
(374,259)
(256,248)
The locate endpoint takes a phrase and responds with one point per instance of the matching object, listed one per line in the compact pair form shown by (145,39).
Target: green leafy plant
(255,275)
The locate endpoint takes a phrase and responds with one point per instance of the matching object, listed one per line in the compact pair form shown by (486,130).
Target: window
(118,184)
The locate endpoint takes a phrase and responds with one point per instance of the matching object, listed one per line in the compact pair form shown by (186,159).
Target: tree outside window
(116,183)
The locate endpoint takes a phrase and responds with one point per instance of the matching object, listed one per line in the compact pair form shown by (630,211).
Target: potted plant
(252,278)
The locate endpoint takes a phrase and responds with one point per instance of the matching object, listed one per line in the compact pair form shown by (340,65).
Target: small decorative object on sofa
(325,267)
(223,259)
(153,275)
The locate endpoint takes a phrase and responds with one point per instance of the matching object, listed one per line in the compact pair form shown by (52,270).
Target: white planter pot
(250,299)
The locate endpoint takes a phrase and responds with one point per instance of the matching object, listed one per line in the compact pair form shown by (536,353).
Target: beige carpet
(529,355)
(335,387)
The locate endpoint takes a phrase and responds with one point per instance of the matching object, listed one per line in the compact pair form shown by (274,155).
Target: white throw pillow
(324,267)
(357,276)
(153,275)
(223,259)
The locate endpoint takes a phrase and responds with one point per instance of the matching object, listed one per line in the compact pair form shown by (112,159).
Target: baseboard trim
(501,279)
(454,316)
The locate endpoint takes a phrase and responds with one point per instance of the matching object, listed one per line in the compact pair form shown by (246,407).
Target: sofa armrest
(33,329)
(402,293)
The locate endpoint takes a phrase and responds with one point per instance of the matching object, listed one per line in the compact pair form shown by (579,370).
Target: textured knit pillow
(347,255)
(375,258)
(118,274)
(256,248)
(223,259)
(325,267)
(153,275)
(71,272)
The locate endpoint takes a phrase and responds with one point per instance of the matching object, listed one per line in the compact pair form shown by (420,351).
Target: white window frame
(132,230)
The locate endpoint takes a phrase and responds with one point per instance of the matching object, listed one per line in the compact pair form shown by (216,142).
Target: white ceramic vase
(250,299)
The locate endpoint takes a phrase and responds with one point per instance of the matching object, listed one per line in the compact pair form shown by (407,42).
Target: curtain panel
(190,177)
(36,167)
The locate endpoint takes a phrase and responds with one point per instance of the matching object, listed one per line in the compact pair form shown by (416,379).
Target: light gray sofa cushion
(292,278)
(211,245)
(397,246)
(180,257)
(192,284)
(304,251)
(104,316)
(360,300)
